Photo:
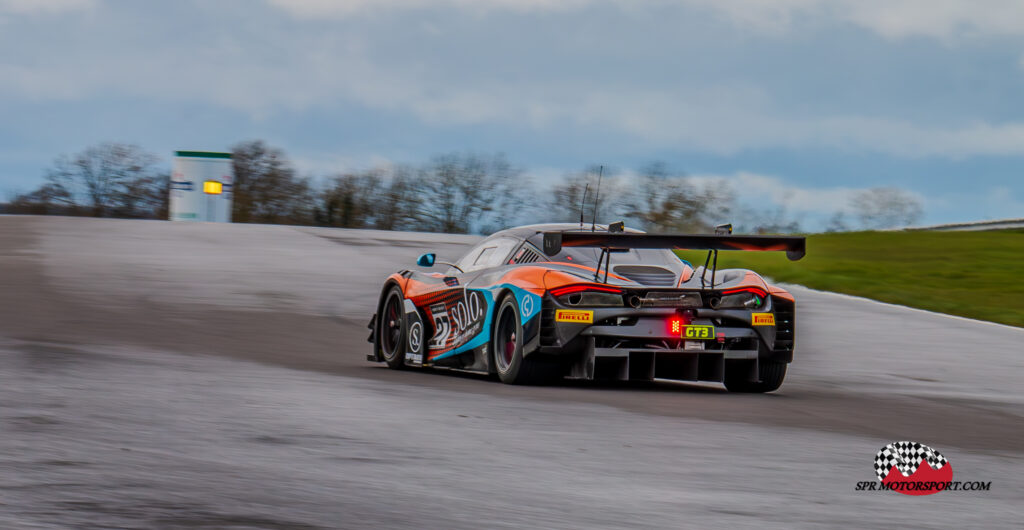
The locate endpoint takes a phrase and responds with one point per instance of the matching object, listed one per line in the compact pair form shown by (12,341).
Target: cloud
(937,18)
(974,203)
(943,19)
(312,72)
(331,164)
(1003,203)
(345,8)
(723,120)
(20,7)
(279,68)
(766,191)
(767,199)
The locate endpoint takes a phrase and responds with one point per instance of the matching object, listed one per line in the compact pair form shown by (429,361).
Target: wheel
(770,373)
(507,348)
(391,329)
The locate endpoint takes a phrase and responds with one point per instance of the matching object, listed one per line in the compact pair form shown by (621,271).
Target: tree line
(452,193)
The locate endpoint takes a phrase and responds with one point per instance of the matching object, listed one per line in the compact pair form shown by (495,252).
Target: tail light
(741,298)
(583,287)
(752,290)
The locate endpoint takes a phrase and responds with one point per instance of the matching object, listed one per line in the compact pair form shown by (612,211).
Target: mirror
(426,260)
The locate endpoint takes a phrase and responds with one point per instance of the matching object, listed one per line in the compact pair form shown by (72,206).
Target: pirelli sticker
(570,315)
(762,319)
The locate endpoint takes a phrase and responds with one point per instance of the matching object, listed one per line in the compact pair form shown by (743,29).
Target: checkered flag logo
(906,457)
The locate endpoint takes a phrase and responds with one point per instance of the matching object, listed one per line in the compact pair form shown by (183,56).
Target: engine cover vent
(647,275)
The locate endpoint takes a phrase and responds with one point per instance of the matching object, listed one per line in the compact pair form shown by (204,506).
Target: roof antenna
(597,197)
(583,203)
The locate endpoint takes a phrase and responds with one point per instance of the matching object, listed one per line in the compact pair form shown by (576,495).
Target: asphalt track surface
(171,375)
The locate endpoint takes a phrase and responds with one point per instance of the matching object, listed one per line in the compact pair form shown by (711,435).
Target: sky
(796,103)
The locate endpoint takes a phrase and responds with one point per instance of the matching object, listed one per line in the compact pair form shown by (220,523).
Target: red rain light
(676,325)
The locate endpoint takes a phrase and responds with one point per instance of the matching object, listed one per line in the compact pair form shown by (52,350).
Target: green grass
(973,274)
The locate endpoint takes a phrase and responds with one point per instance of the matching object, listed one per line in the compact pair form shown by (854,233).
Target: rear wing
(795,247)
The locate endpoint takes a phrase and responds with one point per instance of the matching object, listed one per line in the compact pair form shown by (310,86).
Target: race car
(539,303)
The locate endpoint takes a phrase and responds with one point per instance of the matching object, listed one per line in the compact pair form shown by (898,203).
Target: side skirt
(477,360)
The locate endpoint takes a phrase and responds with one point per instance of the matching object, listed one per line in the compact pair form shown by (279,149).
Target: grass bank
(973,274)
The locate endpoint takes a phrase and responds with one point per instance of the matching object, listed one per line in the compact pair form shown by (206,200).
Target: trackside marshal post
(201,187)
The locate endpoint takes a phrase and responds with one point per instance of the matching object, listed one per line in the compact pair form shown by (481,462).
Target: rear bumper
(637,364)
(641,327)
(623,343)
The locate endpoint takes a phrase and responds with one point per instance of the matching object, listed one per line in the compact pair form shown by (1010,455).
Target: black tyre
(770,373)
(507,348)
(391,329)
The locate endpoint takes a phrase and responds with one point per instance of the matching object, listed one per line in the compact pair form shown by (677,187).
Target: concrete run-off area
(162,375)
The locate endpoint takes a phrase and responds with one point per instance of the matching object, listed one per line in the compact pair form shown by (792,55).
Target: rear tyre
(770,373)
(507,349)
(391,329)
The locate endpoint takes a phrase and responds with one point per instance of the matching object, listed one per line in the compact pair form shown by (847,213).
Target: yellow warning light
(213,187)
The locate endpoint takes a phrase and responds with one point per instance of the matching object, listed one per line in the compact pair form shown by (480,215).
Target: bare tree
(145,196)
(453,193)
(351,201)
(48,199)
(266,189)
(773,220)
(566,202)
(105,178)
(458,194)
(879,208)
(397,203)
(661,201)
(595,192)
(837,223)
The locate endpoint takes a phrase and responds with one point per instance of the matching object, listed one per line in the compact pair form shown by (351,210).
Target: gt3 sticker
(571,315)
(762,319)
(699,332)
